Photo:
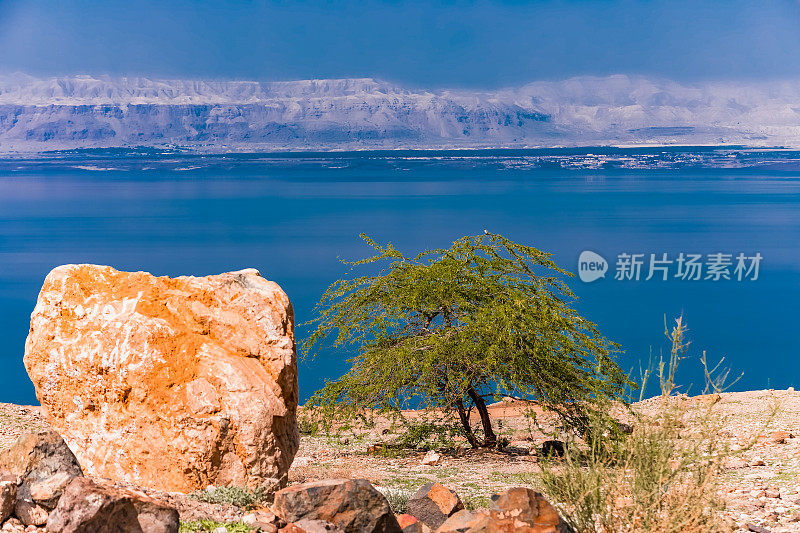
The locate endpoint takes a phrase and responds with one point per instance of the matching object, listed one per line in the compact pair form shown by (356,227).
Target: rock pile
(42,485)
(355,506)
(42,488)
(170,384)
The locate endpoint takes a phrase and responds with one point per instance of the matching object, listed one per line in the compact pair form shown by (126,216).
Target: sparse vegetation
(661,477)
(207,526)
(398,498)
(238,496)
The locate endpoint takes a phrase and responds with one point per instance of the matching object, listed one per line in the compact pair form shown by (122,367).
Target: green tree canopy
(453,327)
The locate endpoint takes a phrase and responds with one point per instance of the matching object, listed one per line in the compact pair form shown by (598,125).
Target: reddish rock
(172,384)
(39,458)
(466,522)
(353,505)
(779,437)
(410,524)
(433,503)
(526,511)
(517,510)
(91,507)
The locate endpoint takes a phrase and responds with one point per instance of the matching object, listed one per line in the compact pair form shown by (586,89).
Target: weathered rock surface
(36,457)
(167,383)
(47,491)
(311,526)
(8,498)
(525,510)
(410,524)
(91,507)
(30,513)
(433,503)
(354,505)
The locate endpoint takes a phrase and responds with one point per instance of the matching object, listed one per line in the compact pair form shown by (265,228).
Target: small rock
(526,506)
(47,491)
(87,505)
(263,520)
(757,461)
(409,523)
(316,526)
(735,463)
(211,488)
(12,524)
(779,437)
(220,529)
(790,389)
(465,521)
(30,513)
(771,493)
(354,505)
(756,529)
(431,458)
(433,504)
(38,456)
(8,498)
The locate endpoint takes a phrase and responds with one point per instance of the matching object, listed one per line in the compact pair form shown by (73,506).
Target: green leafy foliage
(452,327)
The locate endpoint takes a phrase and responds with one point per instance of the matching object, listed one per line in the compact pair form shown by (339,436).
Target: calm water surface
(292,216)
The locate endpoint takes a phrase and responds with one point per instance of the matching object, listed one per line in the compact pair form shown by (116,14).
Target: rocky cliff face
(172,384)
(85,112)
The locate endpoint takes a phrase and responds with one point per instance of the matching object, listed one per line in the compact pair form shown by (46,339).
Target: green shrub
(206,526)
(238,496)
(398,499)
(427,435)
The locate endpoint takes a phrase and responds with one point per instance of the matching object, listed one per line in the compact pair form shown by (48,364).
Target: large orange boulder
(172,384)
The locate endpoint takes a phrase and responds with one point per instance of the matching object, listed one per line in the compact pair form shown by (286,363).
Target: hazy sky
(451,44)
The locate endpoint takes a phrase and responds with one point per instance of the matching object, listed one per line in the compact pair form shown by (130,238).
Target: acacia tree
(453,327)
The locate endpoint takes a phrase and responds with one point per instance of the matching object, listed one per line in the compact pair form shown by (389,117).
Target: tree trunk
(464,416)
(489,438)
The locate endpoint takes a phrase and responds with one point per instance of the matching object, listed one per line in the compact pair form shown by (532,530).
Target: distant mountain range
(38,114)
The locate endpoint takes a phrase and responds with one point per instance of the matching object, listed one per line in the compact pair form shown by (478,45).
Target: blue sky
(451,44)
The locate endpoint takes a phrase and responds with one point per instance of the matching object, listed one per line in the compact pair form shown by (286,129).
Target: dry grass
(661,477)
(665,476)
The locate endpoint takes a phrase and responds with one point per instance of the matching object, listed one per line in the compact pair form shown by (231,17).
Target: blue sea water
(293,216)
